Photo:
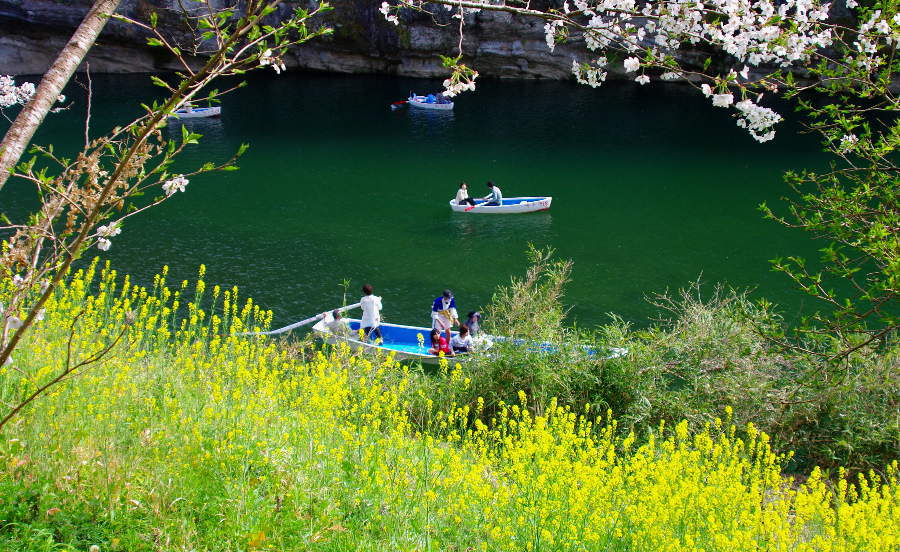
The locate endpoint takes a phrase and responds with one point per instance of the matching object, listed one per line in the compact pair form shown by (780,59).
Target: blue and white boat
(411,343)
(431,101)
(405,342)
(196,112)
(510,205)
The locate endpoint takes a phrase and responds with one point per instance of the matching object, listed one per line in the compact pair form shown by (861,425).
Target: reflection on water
(501,227)
(427,125)
(212,130)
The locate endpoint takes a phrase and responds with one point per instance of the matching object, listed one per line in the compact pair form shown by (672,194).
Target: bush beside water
(187,439)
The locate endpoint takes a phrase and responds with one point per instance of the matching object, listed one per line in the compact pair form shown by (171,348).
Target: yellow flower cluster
(189,437)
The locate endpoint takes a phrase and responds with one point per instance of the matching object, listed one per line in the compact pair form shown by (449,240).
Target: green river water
(652,188)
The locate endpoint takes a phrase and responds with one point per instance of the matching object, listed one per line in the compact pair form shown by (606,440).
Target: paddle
(298,324)
(469,208)
(397,105)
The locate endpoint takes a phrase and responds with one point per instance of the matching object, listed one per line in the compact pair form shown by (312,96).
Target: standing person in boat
(495,197)
(439,344)
(371,316)
(462,195)
(443,313)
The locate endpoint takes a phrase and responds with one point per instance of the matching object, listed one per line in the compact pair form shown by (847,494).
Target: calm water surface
(651,186)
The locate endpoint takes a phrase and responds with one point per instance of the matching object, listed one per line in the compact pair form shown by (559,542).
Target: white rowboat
(197,113)
(510,205)
(421,103)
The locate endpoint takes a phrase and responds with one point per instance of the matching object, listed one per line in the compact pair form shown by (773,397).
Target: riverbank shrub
(708,350)
(189,438)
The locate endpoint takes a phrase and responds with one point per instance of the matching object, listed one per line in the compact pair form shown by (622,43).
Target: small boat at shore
(196,112)
(411,343)
(510,205)
(408,343)
(431,101)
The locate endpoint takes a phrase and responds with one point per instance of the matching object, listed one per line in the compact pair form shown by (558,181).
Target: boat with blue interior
(436,102)
(405,342)
(509,205)
(196,112)
(410,343)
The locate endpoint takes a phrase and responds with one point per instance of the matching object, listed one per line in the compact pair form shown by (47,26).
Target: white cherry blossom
(722,100)
(848,141)
(632,64)
(113,229)
(176,184)
(385,11)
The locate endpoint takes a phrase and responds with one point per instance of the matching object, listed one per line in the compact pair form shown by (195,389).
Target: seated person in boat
(495,197)
(443,313)
(371,315)
(439,345)
(338,325)
(473,323)
(462,343)
(462,195)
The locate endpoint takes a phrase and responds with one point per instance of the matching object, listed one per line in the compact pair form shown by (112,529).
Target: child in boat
(371,315)
(462,196)
(462,343)
(439,345)
(337,325)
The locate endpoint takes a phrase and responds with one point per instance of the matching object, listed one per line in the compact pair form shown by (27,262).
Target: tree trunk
(55,79)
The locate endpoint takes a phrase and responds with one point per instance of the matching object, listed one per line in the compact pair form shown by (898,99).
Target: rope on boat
(301,323)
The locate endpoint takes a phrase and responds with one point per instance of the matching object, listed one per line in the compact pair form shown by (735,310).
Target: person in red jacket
(439,345)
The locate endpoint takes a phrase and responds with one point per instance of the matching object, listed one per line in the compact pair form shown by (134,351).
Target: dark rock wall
(33,31)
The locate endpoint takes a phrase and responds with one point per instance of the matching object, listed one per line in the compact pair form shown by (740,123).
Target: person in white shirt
(462,196)
(462,342)
(371,316)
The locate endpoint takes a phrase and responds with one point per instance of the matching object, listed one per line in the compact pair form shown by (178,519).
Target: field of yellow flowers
(187,437)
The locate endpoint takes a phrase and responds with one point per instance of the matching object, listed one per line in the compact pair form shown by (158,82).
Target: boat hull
(510,205)
(399,340)
(197,113)
(418,102)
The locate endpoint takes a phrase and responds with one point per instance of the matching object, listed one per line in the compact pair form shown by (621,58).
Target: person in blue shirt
(495,197)
(443,313)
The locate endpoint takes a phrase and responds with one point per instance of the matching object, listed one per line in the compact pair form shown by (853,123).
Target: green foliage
(530,307)
(710,349)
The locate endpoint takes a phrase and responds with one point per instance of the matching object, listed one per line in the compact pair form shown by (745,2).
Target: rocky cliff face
(33,31)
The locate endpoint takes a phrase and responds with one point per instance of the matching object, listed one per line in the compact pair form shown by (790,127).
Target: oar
(309,320)
(397,105)
(470,207)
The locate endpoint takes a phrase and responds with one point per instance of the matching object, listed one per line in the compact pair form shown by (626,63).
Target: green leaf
(158,81)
